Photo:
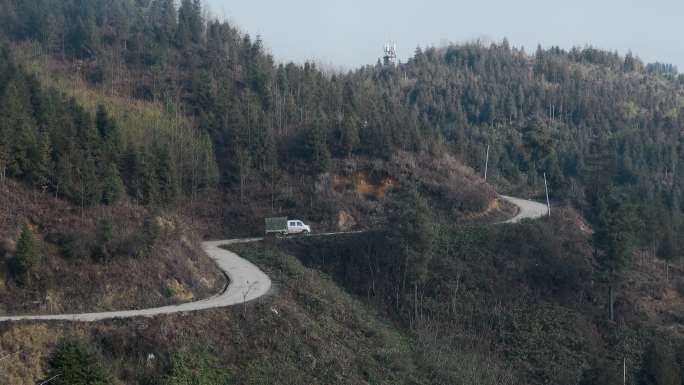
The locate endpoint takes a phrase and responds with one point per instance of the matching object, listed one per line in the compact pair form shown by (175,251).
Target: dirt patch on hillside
(361,183)
(352,196)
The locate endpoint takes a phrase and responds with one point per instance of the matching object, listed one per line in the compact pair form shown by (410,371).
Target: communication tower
(390,57)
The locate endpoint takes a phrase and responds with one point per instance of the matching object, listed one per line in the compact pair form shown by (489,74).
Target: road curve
(528,209)
(247,282)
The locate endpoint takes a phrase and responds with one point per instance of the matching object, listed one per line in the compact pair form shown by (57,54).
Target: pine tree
(40,162)
(149,178)
(410,226)
(113,188)
(190,23)
(164,20)
(613,241)
(26,256)
(350,135)
(669,248)
(537,144)
(166,174)
(73,363)
(82,38)
(317,148)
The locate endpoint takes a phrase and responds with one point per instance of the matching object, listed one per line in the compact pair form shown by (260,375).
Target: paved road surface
(528,209)
(247,282)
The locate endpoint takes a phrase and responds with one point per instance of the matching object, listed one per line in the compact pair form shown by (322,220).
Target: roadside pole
(486,163)
(546,187)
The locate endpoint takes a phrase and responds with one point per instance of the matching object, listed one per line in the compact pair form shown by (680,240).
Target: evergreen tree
(537,143)
(113,189)
(168,181)
(40,162)
(26,256)
(164,20)
(669,248)
(73,363)
(190,24)
(82,38)
(350,135)
(317,149)
(660,365)
(410,226)
(613,241)
(149,178)
(196,367)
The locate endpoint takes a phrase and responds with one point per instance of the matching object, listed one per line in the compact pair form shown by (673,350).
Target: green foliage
(613,236)
(317,149)
(460,97)
(103,248)
(537,143)
(26,256)
(147,237)
(547,340)
(350,139)
(113,189)
(661,365)
(53,143)
(493,300)
(198,366)
(74,363)
(410,231)
(670,245)
(340,341)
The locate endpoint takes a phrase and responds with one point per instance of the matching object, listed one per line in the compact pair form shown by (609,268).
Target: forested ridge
(557,111)
(156,103)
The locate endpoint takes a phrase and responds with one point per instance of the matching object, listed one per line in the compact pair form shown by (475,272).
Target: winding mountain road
(247,282)
(528,209)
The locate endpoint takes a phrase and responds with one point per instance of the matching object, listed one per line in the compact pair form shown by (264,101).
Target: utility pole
(486,163)
(624,371)
(546,187)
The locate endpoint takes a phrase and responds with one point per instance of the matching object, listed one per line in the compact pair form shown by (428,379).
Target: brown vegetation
(352,196)
(102,258)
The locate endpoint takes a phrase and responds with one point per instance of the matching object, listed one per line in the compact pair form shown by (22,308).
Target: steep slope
(521,301)
(100,258)
(310,332)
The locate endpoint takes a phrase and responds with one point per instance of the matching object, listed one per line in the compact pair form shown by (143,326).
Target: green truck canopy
(276,224)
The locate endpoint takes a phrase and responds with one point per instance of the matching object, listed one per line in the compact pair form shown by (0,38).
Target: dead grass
(171,270)
(26,348)
(653,296)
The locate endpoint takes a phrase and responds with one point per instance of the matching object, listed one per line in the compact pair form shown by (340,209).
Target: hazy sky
(350,33)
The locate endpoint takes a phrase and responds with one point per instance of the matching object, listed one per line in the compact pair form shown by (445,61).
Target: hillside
(101,258)
(130,130)
(310,332)
(518,300)
(482,313)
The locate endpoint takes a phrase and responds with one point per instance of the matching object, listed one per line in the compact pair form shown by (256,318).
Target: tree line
(53,144)
(539,113)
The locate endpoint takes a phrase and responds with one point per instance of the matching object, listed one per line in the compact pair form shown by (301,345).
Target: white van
(295,226)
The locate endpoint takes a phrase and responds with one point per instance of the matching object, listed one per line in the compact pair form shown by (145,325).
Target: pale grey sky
(352,33)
